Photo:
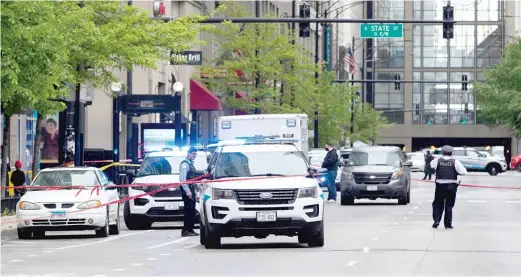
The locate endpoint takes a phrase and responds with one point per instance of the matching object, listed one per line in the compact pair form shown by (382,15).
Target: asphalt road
(372,238)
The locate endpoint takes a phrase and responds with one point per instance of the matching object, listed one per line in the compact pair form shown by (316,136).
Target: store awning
(243,96)
(203,99)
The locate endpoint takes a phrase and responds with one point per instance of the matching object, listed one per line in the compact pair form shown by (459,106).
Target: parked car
(68,209)
(316,157)
(515,163)
(418,161)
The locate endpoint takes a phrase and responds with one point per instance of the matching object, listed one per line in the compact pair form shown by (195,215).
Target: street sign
(375,30)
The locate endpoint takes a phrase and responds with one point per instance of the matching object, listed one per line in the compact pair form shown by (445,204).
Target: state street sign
(377,30)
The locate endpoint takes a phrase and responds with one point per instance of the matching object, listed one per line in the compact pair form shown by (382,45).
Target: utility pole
(130,137)
(257,75)
(352,125)
(315,124)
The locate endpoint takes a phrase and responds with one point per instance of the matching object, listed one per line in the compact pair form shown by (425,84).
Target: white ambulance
(283,127)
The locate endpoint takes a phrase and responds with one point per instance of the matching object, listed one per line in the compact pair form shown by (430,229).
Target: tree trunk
(5,151)
(36,148)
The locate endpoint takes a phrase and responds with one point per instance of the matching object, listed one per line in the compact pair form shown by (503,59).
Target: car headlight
(222,194)
(90,204)
(311,192)
(28,206)
(396,175)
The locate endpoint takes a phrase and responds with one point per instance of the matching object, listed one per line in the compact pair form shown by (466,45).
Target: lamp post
(178,87)
(116,88)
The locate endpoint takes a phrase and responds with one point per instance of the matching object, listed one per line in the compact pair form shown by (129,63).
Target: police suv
(472,160)
(159,168)
(261,189)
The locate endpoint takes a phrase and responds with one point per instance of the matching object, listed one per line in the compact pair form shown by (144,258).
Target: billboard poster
(158,139)
(49,139)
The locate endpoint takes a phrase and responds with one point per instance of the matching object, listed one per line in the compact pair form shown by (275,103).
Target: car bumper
(42,220)
(234,219)
(393,190)
(157,208)
(250,227)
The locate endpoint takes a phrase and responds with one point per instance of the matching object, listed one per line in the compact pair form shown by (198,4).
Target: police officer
(447,170)
(187,171)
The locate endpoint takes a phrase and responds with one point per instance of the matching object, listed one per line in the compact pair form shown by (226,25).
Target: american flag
(349,59)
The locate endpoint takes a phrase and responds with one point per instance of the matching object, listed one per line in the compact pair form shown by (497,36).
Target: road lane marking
(120,269)
(384,231)
(365,250)
(32,256)
(375,238)
(47,251)
(513,201)
(411,212)
(191,246)
(351,263)
(151,259)
(168,243)
(104,240)
(136,264)
(15,261)
(164,254)
(476,201)
(415,208)
(395,223)
(405,218)
(98,275)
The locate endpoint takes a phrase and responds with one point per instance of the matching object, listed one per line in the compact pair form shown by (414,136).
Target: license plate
(266,216)
(171,207)
(58,215)
(372,188)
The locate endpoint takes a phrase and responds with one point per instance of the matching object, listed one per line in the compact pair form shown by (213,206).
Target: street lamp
(116,89)
(178,87)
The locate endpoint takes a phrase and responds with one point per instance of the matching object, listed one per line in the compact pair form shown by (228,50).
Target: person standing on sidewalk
(427,167)
(331,164)
(18,179)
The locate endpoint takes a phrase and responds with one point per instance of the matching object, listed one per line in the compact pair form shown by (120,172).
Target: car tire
(302,238)
(24,233)
(133,222)
(317,239)
(518,167)
(202,235)
(493,169)
(346,200)
(114,229)
(212,239)
(404,200)
(105,230)
(409,196)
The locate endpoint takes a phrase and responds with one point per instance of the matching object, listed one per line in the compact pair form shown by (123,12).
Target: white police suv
(472,160)
(159,168)
(261,189)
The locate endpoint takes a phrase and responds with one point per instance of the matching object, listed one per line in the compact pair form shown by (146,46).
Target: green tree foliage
(499,98)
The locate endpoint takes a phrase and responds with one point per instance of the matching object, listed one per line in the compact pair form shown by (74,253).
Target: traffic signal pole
(315,123)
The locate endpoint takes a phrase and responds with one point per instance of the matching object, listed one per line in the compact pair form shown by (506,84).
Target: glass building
(438,109)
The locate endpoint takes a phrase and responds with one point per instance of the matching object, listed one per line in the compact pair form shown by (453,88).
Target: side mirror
(110,186)
(407,164)
(341,163)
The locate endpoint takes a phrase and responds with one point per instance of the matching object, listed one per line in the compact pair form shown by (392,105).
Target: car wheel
(493,169)
(133,222)
(302,238)
(114,229)
(24,234)
(202,235)
(518,167)
(403,200)
(105,230)
(317,239)
(409,196)
(346,200)
(212,240)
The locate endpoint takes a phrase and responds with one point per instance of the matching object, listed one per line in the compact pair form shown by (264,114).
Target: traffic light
(448,28)
(464,82)
(466,107)
(304,27)
(397,82)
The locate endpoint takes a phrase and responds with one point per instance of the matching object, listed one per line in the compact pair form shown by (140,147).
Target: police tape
(473,185)
(196,180)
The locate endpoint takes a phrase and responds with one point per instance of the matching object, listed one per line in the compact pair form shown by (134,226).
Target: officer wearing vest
(447,170)
(187,171)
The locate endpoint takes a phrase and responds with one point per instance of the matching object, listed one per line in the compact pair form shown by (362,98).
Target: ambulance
(291,128)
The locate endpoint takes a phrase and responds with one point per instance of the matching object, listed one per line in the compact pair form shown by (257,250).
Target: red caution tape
(472,185)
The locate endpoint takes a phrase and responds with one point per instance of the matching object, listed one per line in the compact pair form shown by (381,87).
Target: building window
(388,99)
(480,77)
(489,10)
(434,46)
(417,45)
(390,9)
(390,53)
(434,97)
(461,106)
(489,45)
(416,99)
(462,48)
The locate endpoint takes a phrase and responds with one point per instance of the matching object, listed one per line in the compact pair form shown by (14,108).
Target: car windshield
(66,178)
(247,164)
(167,165)
(359,158)
(317,158)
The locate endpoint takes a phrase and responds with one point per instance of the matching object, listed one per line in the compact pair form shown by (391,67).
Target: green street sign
(373,30)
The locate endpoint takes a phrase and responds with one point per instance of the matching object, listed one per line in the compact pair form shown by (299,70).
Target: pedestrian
(331,164)
(447,170)
(18,179)
(187,171)
(427,168)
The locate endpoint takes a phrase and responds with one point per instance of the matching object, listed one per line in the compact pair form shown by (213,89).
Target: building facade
(435,113)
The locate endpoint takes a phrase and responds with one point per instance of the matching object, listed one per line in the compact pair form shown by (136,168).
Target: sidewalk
(10,228)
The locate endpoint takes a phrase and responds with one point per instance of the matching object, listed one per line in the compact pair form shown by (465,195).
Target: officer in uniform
(187,171)
(447,170)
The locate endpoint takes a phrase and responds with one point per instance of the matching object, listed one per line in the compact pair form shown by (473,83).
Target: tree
(47,46)
(258,59)
(499,98)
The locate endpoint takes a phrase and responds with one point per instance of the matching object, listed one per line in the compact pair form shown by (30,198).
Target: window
(104,178)
(375,158)
(434,99)
(64,178)
(461,101)
(459,153)
(489,10)
(167,165)
(490,42)
(473,154)
(390,53)
(388,99)
(390,9)
(462,46)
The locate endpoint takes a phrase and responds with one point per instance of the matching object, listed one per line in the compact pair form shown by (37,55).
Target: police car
(166,206)
(475,161)
(260,189)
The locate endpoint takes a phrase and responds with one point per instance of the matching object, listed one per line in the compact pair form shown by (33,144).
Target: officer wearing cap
(187,171)
(447,170)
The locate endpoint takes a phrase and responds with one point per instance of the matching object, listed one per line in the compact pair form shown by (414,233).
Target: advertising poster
(158,139)
(49,142)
